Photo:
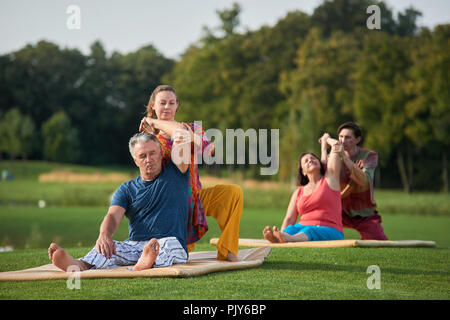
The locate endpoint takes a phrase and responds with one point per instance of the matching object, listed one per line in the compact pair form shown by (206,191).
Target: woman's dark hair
(302,179)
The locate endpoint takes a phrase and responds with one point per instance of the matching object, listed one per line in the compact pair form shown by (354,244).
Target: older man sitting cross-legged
(156,204)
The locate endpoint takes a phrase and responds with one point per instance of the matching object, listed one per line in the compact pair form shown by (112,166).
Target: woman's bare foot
(269,235)
(148,257)
(63,260)
(278,234)
(53,247)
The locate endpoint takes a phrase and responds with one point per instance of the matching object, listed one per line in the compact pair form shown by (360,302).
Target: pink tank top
(321,208)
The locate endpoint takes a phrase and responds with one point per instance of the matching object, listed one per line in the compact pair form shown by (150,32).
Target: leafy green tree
(380,98)
(41,79)
(93,110)
(350,16)
(343,15)
(407,22)
(17,134)
(61,142)
(230,19)
(429,111)
(293,137)
(321,86)
(268,53)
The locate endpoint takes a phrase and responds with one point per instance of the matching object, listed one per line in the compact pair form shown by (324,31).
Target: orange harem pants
(225,204)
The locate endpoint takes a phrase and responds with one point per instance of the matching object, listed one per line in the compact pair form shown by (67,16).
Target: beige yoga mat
(336,243)
(199,263)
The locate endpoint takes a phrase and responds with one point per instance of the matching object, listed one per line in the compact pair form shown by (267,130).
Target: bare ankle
(64,261)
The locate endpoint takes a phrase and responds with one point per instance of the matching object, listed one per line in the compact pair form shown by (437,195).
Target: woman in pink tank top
(317,200)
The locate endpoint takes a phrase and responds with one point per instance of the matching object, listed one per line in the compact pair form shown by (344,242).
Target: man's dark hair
(357,132)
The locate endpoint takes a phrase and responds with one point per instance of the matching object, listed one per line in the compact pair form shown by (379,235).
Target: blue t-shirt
(157,208)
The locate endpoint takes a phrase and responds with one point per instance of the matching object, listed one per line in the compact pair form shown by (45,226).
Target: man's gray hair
(141,138)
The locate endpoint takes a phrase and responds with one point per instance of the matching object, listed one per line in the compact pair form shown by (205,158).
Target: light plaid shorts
(128,253)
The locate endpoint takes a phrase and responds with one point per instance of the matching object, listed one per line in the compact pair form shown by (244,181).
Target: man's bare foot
(278,235)
(232,257)
(269,235)
(63,260)
(148,257)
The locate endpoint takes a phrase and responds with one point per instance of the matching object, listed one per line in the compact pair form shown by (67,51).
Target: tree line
(304,75)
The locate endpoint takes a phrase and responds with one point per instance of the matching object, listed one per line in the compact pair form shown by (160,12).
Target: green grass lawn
(288,273)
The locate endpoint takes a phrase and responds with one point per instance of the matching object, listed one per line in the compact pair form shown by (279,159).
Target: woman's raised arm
(334,164)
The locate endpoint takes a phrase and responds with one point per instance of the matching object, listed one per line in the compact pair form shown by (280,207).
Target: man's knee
(372,231)
(373,236)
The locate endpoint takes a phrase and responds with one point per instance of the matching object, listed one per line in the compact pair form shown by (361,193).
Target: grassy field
(288,273)
(30,228)
(26,190)
(300,273)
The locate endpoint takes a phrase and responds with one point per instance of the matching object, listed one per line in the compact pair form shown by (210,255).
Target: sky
(169,25)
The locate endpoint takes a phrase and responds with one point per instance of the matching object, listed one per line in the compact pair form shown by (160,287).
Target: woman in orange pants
(222,202)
